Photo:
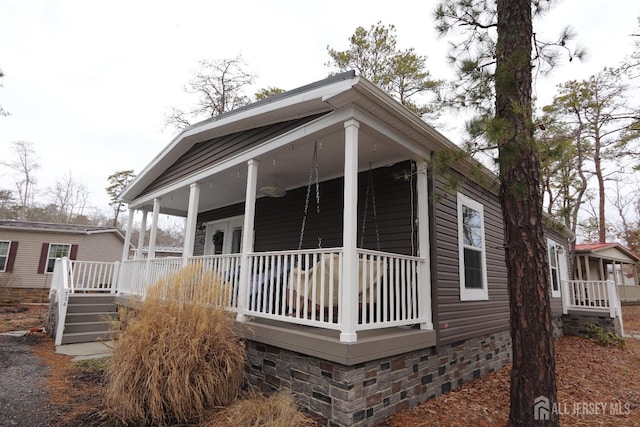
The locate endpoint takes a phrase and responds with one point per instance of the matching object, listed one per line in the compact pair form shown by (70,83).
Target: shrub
(598,334)
(178,357)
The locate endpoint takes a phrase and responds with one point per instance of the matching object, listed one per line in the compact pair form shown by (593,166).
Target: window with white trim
(472,253)
(56,250)
(4,254)
(554,268)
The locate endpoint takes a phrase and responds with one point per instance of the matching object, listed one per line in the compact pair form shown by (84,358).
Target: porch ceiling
(291,165)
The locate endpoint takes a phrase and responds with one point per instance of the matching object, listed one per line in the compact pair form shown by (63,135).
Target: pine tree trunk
(533,372)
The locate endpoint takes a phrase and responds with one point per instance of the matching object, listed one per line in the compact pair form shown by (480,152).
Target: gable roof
(599,248)
(323,99)
(58,228)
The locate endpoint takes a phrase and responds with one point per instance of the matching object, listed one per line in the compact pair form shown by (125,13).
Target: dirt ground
(596,385)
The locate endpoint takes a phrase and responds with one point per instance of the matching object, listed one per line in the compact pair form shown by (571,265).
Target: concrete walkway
(87,350)
(80,351)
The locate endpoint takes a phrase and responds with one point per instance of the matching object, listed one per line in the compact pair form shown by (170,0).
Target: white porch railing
(137,275)
(60,289)
(93,276)
(587,295)
(302,287)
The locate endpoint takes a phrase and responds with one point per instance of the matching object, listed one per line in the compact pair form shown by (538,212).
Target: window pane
(4,252)
(471,227)
(472,269)
(236,240)
(553,259)
(56,251)
(554,279)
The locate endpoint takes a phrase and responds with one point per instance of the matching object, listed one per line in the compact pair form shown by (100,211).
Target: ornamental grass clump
(178,358)
(257,410)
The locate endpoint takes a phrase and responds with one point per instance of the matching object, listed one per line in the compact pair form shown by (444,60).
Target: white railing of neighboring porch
(302,287)
(589,295)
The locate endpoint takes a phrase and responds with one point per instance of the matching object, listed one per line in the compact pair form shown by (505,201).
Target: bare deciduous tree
(24,167)
(69,198)
(219,86)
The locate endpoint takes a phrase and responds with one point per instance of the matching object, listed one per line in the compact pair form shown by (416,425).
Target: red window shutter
(42,265)
(13,249)
(74,252)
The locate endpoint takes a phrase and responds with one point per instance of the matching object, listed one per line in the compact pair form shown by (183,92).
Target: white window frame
(46,265)
(6,256)
(227,225)
(553,245)
(472,294)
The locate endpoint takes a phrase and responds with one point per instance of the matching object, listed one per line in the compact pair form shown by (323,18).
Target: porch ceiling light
(273,190)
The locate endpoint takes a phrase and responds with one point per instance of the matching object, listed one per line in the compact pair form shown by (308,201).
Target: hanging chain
(314,168)
(366,208)
(315,164)
(375,209)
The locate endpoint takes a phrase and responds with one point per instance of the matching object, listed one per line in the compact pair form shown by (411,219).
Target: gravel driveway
(23,392)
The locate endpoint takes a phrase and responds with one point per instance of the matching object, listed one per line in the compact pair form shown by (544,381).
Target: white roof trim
(196,131)
(307,129)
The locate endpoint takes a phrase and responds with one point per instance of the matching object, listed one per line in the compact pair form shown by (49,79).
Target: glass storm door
(224,237)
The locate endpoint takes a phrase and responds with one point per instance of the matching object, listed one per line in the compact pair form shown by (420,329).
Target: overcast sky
(89,83)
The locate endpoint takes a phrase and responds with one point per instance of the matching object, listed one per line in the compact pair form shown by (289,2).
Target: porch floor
(325,343)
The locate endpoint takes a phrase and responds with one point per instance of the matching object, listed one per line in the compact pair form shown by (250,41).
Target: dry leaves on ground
(596,386)
(18,317)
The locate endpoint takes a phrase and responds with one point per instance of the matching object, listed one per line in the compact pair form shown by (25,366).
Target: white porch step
(89,318)
(78,337)
(91,308)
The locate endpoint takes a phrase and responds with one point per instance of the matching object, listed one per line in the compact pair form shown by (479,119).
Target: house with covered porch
(609,262)
(361,277)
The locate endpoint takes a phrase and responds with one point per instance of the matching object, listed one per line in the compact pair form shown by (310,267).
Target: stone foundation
(557,323)
(575,322)
(364,394)
(24,295)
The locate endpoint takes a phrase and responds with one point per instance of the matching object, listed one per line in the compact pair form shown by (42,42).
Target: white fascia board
(112,230)
(415,148)
(287,138)
(322,93)
(377,95)
(43,230)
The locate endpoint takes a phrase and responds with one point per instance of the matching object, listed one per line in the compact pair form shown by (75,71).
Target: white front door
(224,236)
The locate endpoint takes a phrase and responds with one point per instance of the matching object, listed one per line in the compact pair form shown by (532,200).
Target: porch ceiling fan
(273,190)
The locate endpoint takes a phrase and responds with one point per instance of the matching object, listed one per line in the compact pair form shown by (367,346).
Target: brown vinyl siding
(208,153)
(460,320)
(90,247)
(278,220)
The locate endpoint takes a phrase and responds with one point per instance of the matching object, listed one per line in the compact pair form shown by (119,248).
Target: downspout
(422,188)
(433,248)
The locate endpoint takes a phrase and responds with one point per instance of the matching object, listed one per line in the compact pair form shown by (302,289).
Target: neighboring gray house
(609,261)
(369,283)
(28,251)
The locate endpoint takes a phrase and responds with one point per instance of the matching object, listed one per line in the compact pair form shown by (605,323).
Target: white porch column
(424,273)
(349,297)
(247,238)
(154,229)
(143,231)
(127,236)
(192,219)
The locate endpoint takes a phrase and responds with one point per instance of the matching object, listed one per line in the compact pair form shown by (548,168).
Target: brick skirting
(574,323)
(361,395)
